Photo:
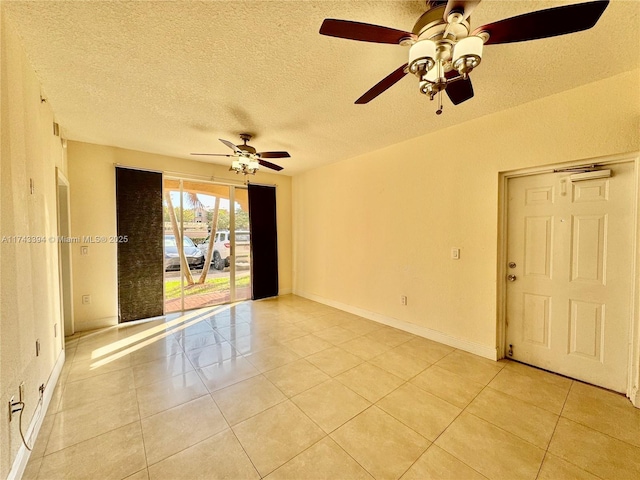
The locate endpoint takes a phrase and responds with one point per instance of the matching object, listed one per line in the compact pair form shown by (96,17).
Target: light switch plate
(455,253)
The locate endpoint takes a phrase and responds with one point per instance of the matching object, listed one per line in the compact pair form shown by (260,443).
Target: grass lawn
(211,285)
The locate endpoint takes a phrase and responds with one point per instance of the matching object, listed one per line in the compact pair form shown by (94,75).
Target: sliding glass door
(207,244)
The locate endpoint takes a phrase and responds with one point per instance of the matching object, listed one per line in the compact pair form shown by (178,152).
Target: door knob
(511,278)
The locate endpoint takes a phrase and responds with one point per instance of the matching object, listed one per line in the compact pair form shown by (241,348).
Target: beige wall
(373,228)
(93,212)
(29,287)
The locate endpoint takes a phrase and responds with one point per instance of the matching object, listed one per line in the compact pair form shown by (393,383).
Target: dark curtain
(140,247)
(264,241)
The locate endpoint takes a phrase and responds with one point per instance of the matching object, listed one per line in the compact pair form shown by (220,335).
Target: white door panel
(569,307)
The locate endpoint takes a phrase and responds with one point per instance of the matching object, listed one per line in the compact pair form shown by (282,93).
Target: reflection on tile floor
(291,389)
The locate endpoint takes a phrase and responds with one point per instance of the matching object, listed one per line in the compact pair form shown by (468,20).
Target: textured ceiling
(173,77)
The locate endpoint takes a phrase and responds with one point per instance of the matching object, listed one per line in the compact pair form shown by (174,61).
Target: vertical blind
(140,244)
(264,241)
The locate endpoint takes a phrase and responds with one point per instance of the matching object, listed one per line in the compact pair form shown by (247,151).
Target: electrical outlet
(86,299)
(403,299)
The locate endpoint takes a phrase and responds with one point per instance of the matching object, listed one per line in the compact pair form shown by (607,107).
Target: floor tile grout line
(208,437)
(555,427)
(458,416)
(255,414)
(174,406)
(345,451)
(432,442)
(44,454)
(359,365)
(601,433)
(526,401)
(433,445)
(521,400)
(302,391)
(83,404)
(371,404)
(67,381)
(325,434)
(245,452)
(144,445)
(94,437)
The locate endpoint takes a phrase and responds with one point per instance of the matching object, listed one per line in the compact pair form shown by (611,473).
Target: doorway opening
(207,244)
(64,257)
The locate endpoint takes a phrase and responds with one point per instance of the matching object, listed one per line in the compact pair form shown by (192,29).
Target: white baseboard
(471,347)
(635,397)
(22,458)
(95,324)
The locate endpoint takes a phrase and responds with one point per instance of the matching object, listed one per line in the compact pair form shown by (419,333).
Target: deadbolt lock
(512,264)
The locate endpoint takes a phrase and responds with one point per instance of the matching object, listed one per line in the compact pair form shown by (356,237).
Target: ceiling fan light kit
(244,165)
(467,54)
(246,160)
(443,50)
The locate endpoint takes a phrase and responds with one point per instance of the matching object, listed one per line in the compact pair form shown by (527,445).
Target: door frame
(65,272)
(633,377)
(182,177)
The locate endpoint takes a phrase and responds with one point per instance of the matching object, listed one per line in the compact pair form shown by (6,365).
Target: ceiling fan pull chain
(439,111)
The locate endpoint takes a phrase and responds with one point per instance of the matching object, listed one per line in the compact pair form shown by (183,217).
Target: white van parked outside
(222,249)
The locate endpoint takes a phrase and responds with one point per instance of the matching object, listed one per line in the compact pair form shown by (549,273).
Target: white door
(570,274)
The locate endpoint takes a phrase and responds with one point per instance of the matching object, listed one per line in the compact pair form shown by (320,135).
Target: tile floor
(292,389)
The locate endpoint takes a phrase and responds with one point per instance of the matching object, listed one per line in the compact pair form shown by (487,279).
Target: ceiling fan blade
(363,32)
(230,145)
(387,82)
(544,23)
(459,91)
(270,165)
(463,6)
(213,154)
(274,154)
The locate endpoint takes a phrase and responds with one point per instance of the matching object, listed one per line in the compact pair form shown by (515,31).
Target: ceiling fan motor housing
(247,149)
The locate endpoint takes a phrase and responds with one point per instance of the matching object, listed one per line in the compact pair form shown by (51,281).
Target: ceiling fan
(246,159)
(444,50)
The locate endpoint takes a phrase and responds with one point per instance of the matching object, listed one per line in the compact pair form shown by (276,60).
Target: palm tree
(191,198)
(212,235)
(184,265)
